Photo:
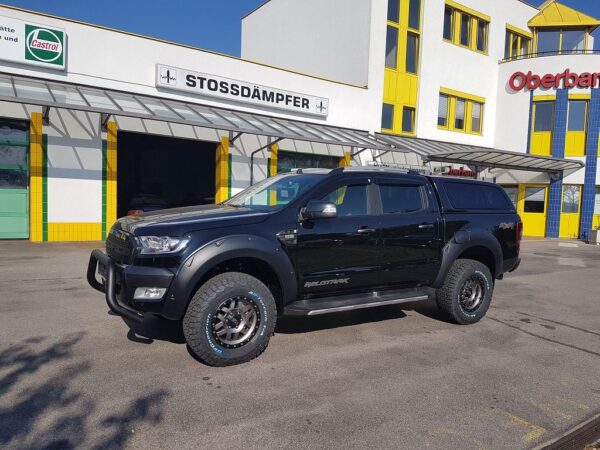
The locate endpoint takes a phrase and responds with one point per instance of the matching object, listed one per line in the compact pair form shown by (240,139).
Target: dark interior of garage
(157,172)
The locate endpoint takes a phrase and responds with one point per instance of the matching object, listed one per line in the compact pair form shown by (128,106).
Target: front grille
(119,246)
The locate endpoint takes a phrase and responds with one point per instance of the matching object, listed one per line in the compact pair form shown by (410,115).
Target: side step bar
(318,306)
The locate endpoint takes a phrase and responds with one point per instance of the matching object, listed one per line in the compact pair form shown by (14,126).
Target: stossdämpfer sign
(239,91)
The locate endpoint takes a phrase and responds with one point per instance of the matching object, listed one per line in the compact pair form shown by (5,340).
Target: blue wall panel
(559,137)
(591,163)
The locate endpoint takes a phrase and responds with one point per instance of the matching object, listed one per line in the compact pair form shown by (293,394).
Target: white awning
(482,157)
(56,94)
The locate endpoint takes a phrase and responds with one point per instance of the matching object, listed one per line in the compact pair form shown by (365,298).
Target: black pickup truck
(305,243)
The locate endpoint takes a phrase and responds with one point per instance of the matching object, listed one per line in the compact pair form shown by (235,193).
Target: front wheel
(230,319)
(467,291)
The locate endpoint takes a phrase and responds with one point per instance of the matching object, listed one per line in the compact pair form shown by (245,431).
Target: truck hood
(176,221)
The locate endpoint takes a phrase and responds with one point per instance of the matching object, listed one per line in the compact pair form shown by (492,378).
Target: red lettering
(559,76)
(548,81)
(595,79)
(585,80)
(571,79)
(533,81)
(522,80)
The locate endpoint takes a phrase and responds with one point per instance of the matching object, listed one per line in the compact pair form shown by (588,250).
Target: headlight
(161,245)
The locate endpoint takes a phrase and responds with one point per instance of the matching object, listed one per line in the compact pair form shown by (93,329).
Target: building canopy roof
(481,157)
(554,14)
(56,94)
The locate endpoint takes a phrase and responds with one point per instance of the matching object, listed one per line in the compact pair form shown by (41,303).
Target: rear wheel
(467,291)
(230,319)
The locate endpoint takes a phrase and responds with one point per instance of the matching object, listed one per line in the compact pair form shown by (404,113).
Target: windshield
(274,193)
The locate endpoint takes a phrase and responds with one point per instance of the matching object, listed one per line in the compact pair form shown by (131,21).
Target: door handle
(425,226)
(365,230)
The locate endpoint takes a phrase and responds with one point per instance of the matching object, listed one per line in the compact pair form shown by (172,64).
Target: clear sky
(209,24)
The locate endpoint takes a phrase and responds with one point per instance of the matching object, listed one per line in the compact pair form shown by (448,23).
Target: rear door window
(477,196)
(402,198)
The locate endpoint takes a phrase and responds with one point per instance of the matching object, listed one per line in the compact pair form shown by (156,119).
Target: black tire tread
(199,306)
(447,295)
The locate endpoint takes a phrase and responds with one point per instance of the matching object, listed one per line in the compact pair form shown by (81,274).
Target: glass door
(14,179)
(570,215)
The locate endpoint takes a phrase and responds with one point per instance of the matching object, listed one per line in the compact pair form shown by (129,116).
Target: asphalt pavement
(74,376)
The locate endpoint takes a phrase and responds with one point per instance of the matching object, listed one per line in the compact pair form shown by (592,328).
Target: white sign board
(33,44)
(239,91)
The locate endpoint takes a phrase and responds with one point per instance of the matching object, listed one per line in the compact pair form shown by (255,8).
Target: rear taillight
(135,212)
(519,236)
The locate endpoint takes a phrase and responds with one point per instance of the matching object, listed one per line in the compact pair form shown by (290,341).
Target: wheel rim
(235,322)
(472,293)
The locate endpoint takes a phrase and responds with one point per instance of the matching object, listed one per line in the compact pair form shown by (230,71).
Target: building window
(570,203)
(535,200)
(287,161)
(412,52)
(443,111)
(448,23)
(548,41)
(387,117)
(414,14)
(482,33)
(460,112)
(573,40)
(459,115)
(465,29)
(391,48)
(561,41)
(473,28)
(544,116)
(516,44)
(476,110)
(597,201)
(408,119)
(393,10)
(577,115)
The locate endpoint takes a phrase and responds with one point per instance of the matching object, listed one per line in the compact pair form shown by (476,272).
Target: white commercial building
(96,123)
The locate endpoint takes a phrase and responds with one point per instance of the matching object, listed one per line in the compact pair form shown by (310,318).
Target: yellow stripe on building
(222,171)
(111,174)
(36,181)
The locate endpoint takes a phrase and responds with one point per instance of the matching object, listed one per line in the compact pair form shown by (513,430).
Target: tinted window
(548,41)
(13,131)
(393,10)
(448,23)
(398,199)
(535,200)
(443,111)
(459,118)
(414,14)
(391,47)
(544,116)
(513,194)
(13,167)
(412,52)
(476,117)
(350,200)
(387,116)
(577,115)
(482,32)
(408,119)
(287,161)
(573,40)
(476,196)
(465,29)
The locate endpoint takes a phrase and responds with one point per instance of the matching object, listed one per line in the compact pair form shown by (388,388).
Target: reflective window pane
(577,115)
(465,29)
(98,100)
(6,89)
(393,10)
(544,116)
(525,43)
(414,14)
(412,52)
(287,161)
(482,31)
(32,90)
(476,117)
(571,196)
(443,111)
(573,40)
(535,200)
(67,94)
(459,118)
(402,199)
(13,167)
(14,131)
(391,47)
(597,201)
(408,120)
(128,103)
(513,194)
(350,200)
(548,41)
(387,117)
(448,23)
(507,44)
(514,45)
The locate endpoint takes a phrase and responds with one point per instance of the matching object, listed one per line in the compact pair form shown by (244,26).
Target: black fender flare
(220,250)
(462,241)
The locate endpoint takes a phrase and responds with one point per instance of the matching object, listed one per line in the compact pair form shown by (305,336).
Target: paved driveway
(72,375)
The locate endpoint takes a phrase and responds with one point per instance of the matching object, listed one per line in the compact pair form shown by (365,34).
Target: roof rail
(381,169)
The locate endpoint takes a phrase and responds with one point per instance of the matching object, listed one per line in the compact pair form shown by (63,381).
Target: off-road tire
(198,322)
(448,296)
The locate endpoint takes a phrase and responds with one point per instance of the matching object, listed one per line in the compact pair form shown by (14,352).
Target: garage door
(14,180)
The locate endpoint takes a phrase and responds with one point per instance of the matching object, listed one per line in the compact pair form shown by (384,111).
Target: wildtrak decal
(311,284)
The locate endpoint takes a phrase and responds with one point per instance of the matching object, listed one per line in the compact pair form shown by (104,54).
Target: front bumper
(119,283)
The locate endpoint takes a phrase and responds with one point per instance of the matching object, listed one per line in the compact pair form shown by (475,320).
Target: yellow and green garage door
(14,179)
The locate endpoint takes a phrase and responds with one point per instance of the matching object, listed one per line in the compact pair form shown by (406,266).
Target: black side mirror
(318,210)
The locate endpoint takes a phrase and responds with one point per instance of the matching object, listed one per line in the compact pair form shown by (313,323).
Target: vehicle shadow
(154,328)
(307,324)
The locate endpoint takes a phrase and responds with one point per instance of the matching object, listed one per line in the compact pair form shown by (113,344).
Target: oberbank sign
(29,43)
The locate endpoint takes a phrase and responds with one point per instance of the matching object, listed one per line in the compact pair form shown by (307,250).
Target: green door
(14,180)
